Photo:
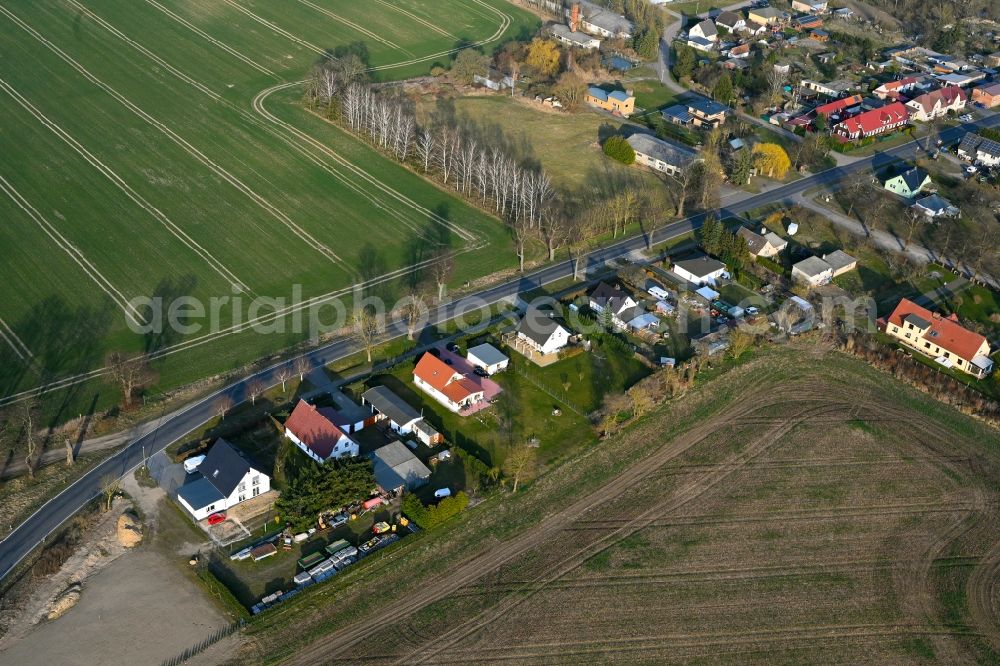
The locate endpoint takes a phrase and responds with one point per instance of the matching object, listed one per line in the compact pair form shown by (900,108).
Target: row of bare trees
(488,175)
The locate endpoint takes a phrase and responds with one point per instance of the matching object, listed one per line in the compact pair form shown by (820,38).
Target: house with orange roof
(941,338)
(443,383)
(894,89)
(315,430)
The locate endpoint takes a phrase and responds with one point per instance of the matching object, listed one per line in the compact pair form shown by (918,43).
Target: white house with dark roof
(224,478)
(764,244)
(934,205)
(660,155)
(401,417)
(700,270)
(540,331)
(706,30)
(979,150)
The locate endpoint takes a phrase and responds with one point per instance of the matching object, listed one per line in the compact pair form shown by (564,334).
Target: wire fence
(198,648)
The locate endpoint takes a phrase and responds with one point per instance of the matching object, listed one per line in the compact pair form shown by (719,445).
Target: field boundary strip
(74,253)
(111,175)
(354,26)
(187,147)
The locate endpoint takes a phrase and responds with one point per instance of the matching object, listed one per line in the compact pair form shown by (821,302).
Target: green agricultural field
(158,148)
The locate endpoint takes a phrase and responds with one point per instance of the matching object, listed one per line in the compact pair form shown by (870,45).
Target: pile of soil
(129,530)
(64,602)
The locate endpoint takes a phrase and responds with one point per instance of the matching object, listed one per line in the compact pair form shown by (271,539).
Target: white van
(658,292)
(441,493)
(191,464)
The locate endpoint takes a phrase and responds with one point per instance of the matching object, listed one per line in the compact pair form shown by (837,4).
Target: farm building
(401,417)
(397,469)
(224,479)
(581,40)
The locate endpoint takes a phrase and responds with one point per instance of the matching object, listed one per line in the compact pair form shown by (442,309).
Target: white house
(813,271)
(403,419)
(315,430)
(661,155)
(765,244)
(613,301)
(540,331)
(979,150)
(705,30)
(700,270)
(446,385)
(224,479)
(487,357)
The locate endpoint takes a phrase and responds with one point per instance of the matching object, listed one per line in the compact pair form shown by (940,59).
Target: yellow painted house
(616,101)
(941,338)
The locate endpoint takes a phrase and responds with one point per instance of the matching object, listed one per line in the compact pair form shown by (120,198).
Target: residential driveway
(169,475)
(490,388)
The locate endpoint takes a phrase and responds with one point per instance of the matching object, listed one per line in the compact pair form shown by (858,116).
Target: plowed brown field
(795,509)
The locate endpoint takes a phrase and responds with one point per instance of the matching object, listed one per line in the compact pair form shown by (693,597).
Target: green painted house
(909,183)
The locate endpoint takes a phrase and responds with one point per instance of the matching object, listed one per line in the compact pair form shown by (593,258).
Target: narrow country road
(40,525)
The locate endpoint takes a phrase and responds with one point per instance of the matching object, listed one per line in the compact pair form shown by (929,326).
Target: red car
(216,518)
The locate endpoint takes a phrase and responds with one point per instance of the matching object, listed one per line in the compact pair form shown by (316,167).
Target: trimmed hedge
(428,517)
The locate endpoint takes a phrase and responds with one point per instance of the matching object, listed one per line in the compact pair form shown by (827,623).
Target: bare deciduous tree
(283,374)
(129,371)
(367,326)
(222,406)
(442,268)
(519,463)
(302,366)
(110,485)
(255,388)
(27,418)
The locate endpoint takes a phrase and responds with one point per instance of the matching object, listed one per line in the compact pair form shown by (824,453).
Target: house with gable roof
(445,384)
(874,122)
(316,431)
(616,101)
(937,103)
(941,338)
(225,478)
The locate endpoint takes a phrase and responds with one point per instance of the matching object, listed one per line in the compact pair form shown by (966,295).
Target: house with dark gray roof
(979,150)
(225,478)
(542,332)
(660,155)
(402,418)
(934,205)
(908,183)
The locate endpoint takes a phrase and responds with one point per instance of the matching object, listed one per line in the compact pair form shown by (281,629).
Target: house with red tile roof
(895,89)
(937,103)
(838,106)
(988,95)
(941,338)
(874,122)
(443,383)
(314,430)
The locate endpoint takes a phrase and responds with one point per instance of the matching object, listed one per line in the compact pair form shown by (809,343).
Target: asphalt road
(40,525)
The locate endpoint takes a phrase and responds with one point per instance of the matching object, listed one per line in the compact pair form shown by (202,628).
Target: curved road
(29,534)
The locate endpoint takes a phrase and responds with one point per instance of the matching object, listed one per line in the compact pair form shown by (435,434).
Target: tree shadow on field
(359,49)
(63,341)
(163,333)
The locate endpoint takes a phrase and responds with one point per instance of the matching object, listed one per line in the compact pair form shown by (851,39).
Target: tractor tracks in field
(474,568)
(677,499)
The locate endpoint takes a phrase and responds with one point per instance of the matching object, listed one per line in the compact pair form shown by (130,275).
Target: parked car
(216,518)
(453,348)
(966,117)
(479,371)
(381,528)
(413,445)
(752,311)
(441,493)
(658,292)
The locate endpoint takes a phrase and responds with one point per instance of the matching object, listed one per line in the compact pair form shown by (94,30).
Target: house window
(907,336)
(256,480)
(242,498)
(947,354)
(243,486)
(256,491)
(211,507)
(927,345)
